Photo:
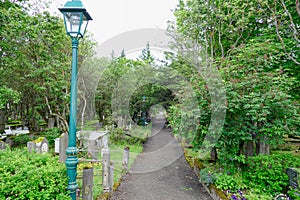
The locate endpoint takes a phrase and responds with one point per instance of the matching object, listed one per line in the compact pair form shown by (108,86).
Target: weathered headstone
(9,142)
(92,149)
(294,177)
(40,145)
(105,142)
(56,145)
(93,141)
(249,148)
(106,170)
(96,141)
(51,122)
(3,145)
(63,144)
(111,175)
(87,184)
(264,147)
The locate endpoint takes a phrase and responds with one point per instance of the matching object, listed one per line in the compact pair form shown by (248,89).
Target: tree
(253,45)
(35,62)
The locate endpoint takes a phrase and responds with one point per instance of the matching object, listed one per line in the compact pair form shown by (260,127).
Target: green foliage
(253,194)
(21,140)
(51,135)
(261,177)
(233,183)
(26,175)
(268,173)
(8,95)
(256,57)
(294,194)
(207,176)
(35,60)
(118,136)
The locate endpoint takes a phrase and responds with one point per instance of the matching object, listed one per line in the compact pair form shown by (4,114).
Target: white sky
(113,17)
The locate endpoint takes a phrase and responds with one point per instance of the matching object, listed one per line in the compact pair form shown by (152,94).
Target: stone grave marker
(63,144)
(40,145)
(94,141)
(3,145)
(56,145)
(294,177)
(9,142)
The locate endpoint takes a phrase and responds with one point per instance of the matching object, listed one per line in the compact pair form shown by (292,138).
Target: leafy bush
(21,140)
(118,136)
(207,177)
(35,176)
(51,134)
(227,182)
(294,194)
(268,173)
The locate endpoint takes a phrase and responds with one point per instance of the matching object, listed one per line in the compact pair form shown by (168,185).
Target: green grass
(141,132)
(116,155)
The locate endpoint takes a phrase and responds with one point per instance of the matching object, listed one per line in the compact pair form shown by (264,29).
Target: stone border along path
(160,172)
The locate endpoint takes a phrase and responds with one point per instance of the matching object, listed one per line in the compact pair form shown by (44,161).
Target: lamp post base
(71,163)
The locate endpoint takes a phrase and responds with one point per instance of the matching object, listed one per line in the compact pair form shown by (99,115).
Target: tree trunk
(2,120)
(51,122)
(249,149)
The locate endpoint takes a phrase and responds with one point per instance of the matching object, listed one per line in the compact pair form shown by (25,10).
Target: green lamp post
(144,111)
(76,19)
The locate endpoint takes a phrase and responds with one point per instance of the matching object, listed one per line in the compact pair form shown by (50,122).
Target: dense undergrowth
(25,175)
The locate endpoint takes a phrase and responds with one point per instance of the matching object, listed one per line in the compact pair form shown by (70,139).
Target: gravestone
(9,142)
(294,179)
(87,184)
(111,175)
(40,145)
(94,141)
(106,171)
(92,149)
(3,145)
(56,145)
(63,144)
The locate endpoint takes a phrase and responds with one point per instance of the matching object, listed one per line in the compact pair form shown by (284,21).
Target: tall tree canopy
(254,46)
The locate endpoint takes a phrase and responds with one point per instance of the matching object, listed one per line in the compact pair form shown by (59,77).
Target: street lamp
(76,19)
(144,114)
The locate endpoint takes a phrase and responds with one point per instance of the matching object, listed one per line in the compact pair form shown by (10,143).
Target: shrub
(268,173)
(118,136)
(52,134)
(227,182)
(35,176)
(21,140)
(207,177)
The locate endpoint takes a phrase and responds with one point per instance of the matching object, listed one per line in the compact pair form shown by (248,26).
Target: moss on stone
(40,139)
(218,192)
(198,163)
(104,196)
(116,185)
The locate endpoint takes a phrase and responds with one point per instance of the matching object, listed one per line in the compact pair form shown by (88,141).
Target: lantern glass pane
(83,25)
(73,23)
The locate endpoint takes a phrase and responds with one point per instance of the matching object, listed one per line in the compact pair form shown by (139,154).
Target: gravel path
(161,171)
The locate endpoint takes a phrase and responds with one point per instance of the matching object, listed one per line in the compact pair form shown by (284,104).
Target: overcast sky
(113,17)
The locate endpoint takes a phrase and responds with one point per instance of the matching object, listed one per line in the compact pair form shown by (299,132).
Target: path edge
(196,165)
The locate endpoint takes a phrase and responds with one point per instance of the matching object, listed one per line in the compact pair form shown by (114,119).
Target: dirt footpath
(161,171)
